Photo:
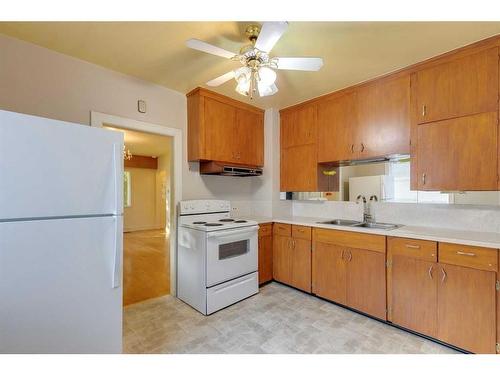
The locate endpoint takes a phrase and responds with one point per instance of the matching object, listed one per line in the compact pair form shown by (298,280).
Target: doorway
(146,219)
(152,189)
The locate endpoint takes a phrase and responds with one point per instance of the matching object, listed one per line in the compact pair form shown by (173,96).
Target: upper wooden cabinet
(464,86)
(383,126)
(224,130)
(370,121)
(458,154)
(298,127)
(337,129)
(299,153)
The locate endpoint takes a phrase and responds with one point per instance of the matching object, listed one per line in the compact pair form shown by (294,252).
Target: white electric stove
(217,255)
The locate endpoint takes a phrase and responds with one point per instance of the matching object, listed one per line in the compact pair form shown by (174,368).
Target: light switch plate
(141,106)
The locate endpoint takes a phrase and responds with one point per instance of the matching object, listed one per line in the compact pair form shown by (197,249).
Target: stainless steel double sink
(360,224)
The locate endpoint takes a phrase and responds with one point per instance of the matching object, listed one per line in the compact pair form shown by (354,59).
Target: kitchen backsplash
(460,217)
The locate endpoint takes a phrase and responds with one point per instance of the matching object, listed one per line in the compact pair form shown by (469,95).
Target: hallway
(146,268)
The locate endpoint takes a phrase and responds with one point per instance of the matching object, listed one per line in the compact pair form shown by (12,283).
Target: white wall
(42,82)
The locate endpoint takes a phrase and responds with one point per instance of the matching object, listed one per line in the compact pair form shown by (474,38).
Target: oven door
(231,253)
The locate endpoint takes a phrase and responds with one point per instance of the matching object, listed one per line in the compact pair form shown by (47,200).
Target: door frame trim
(99,119)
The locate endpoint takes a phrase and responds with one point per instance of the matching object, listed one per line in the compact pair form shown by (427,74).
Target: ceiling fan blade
(300,63)
(209,48)
(269,35)
(221,79)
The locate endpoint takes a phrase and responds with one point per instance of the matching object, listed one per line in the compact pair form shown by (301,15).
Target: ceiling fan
(257,72)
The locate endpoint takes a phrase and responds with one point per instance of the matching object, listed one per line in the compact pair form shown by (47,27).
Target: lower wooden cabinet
(282,258)
(366,281)
(329,272)
(292,256)
(350,276)
(466,308)
(412,284)
(453,299)
(301,264)
(265,253)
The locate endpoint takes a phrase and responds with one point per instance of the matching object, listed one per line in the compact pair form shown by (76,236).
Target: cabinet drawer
(469,256)
(419,249)
(355,240)
(300,231)
(265,229)
(282,229)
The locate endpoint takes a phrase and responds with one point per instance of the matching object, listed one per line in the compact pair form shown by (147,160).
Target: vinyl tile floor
(277,320)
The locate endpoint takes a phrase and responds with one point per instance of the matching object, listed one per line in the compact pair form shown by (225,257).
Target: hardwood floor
(146,265)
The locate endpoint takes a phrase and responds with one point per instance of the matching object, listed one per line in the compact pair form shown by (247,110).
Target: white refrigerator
(61,188)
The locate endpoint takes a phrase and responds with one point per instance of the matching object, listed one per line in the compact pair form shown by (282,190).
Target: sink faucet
(368,217)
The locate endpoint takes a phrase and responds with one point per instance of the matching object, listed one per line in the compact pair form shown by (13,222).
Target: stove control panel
(203,206)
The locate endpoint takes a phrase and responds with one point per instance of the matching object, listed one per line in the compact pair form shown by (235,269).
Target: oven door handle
(231,232)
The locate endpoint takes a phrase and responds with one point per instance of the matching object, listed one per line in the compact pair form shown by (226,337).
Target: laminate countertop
(462,237)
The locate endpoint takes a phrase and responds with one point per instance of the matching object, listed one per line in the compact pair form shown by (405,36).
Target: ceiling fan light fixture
(267,90)
(267,76)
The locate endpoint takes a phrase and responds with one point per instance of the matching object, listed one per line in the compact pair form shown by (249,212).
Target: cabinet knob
(352,148)
(424,110)
(362,147)
(423,178)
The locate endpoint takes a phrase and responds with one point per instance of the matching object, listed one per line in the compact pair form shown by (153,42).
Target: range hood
(225,169)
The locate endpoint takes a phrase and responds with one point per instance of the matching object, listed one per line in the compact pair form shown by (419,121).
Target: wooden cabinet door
(329,272)
(301,264)
(466,308)
(384,118)
(458,154)
(465,86)
(249,142)
(366,282)
(414,294)
(337,122)
(298,127)
(282,259)
(265,259)
(221,140)
(299,168)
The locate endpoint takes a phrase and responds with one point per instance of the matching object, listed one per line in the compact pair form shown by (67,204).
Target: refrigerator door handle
(117,258)
(118,177)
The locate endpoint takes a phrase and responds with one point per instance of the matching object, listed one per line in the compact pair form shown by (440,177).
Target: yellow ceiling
(155,51)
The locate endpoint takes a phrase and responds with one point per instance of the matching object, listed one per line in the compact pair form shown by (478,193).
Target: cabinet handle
(423,178)
(430,271)
(352,148)
(342,255)
(444,275)
(350,256)
(467,254)
(412,246)
(362,147)
(424,110)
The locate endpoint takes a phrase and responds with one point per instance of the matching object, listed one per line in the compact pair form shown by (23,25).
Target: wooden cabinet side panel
(301,265)
(466,308)
(458,154)
(366,283)
(413,133)
(265,258)
(196,134)
(329,272)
